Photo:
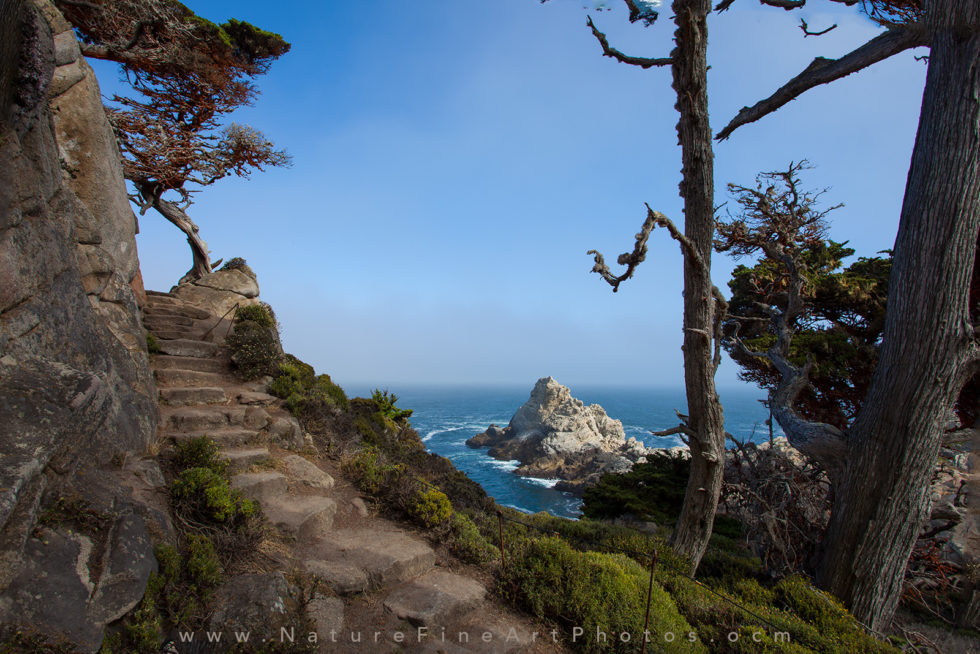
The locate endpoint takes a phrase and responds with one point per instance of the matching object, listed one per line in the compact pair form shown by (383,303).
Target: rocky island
(553,435)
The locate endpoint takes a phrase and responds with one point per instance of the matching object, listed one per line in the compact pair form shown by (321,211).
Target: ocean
(445,416)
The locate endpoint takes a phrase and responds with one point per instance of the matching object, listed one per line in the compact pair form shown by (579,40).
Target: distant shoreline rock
(553,435)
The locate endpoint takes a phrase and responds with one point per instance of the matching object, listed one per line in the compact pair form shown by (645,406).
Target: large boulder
(219,292)
(554,435)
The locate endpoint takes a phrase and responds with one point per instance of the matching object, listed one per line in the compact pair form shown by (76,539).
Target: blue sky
(453,161)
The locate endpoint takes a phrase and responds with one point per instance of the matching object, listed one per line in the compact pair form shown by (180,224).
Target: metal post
(646,622)
(500,522)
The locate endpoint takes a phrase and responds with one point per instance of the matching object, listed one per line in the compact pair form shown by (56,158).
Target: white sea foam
(547,483)
(504,465)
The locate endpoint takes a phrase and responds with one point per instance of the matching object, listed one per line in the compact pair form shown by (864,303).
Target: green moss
(152,345)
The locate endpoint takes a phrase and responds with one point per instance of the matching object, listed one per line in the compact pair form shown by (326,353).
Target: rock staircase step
(261,486)
(165,326)
(168,362)
(203,418)
(175,311)
(193,395)
(178,334)
(435,598)
(184,347)
(256,398)
(304,516)
(240,458)
(305,473)
(223,437)
(385,556)
(155,321)
(342,578)
(188,378)
(158,294)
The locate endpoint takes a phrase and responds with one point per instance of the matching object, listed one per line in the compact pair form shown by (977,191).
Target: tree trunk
(928,349)
(706,420)
(199,249)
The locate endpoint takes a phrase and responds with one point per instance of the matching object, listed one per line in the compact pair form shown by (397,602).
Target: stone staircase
(382,584)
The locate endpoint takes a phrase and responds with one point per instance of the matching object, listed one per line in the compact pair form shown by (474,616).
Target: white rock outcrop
(555,435)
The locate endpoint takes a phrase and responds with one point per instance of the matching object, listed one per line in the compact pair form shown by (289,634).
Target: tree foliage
(188,74)
(843,308)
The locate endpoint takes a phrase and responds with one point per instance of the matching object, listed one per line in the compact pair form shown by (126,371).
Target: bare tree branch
(784,4)
(823,71)
(609,51)
(806,29)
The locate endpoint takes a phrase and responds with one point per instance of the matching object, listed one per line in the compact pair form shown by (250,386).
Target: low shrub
(203,495)
(370,471)
(603,594)
(255,350)
(431,508)
(152,345)
(260,314)
(200,452)
(237,263)
(466,541)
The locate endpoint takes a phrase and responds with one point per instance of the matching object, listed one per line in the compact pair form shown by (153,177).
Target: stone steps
(199,397)
(222,437)
(175,310)
(154,321)
(190,396)
(435,598)
(384,557)
(261,486)
(184,347)
(302,516)
(198,364)
(241,458)
(187,378)
(201,418)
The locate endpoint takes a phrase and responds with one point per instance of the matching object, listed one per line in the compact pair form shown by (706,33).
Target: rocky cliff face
(76,393)
(554,435)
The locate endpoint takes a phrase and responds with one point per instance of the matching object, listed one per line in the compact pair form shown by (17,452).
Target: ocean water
(445,416)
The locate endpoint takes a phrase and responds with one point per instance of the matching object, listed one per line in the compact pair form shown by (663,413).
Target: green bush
(237,263)
(200,452)
(595,592)
(204,495)
(284,385)
(255,350)
(431,508)
(152,345)
(370,471)
(186,580)
(260,314)
(466,541)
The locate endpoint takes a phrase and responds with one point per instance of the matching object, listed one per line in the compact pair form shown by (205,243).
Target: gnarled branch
(822,71)
(609,51)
